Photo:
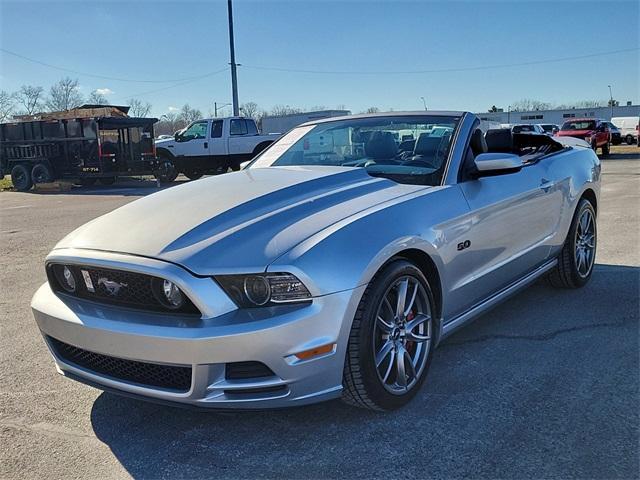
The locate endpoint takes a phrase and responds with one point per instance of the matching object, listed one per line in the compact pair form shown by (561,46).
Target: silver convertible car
(330,266)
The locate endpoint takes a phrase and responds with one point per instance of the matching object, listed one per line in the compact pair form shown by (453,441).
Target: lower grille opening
(255,391)
(176,378)
(243,370)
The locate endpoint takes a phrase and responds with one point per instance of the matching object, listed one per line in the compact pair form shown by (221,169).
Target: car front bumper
(206,345)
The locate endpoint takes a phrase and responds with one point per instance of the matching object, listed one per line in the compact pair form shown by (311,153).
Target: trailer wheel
(21,178)
(41,173)
(107,180)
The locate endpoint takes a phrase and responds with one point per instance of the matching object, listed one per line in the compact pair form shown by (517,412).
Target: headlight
(167,293)
(65,277)
(264,289)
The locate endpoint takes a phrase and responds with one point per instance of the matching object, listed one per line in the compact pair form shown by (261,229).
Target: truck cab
(212,146)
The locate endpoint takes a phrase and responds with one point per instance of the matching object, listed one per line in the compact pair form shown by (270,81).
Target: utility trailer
(88,144)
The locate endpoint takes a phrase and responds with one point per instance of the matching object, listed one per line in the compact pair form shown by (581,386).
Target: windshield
(579,125)
(524,128)
(410,149)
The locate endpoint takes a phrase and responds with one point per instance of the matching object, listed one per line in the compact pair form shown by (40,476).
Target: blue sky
(169,41)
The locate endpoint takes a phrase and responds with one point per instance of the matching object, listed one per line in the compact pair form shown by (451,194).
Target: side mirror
(497,163)
(176,137)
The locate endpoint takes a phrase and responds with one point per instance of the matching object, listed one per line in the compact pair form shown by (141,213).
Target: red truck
(594,131)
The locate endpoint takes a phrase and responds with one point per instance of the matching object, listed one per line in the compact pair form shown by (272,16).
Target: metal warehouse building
(559,116)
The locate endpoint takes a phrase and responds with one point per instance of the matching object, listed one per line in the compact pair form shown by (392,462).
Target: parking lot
(544,386)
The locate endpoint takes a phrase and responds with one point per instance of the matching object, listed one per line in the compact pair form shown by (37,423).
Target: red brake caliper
(410,345)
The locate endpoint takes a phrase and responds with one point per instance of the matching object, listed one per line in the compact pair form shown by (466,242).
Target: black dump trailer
(87,149)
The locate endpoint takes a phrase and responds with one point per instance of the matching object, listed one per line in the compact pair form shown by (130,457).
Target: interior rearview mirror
(497,163)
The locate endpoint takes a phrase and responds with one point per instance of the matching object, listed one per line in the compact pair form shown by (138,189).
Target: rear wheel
(629,139)
(88,181)
(41,173)
(21,178)
(391,341)
(576,260)
(605,149)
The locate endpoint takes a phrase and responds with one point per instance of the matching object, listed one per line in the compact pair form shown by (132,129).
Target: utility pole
(234,75)
(610,100)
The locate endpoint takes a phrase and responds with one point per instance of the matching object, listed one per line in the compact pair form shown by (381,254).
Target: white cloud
(104,91)
(173,109)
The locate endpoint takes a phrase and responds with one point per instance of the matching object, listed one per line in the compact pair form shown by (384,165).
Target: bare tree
(251,110)
(188,114)
(31,98)
(138,108)
(7,105)
(282,110)
(529,105)
(169,124)
(372,110)
(64,95)
(97,98)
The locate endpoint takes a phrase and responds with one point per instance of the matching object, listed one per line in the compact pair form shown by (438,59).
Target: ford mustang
(330,266)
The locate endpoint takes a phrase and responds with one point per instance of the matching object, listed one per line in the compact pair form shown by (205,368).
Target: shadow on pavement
(543,386)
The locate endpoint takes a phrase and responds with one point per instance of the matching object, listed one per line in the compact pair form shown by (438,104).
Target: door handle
(546,184)
(206,144)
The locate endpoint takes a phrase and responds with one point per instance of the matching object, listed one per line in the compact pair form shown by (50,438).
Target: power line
(103,77)
(149,92)
(440,70)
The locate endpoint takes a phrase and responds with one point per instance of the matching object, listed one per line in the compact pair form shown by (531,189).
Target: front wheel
(606,149)
(192,175)
(392,339)
(578,255)
(21,178)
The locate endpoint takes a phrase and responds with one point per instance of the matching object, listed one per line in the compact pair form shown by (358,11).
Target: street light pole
(216,107)
(610,101)
(234,75)
(509,114)
(424,102)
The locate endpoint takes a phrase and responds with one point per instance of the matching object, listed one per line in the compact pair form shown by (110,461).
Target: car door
(241,142)
(511,226)
(193,147)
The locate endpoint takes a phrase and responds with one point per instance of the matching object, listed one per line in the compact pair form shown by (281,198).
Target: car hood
(239,221)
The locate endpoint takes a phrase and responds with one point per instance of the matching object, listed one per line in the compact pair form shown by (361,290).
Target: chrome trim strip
(491,302)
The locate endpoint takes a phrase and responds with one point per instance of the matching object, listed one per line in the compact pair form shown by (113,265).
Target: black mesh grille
(118,287)
(241,370)
(148,374)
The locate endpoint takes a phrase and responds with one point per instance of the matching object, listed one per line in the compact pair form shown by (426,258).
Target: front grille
(177,378)
(242,370)
(118,287)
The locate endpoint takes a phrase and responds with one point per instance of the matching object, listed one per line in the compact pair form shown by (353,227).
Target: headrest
(499,140)
(477,143)
(381,145)
(427,145)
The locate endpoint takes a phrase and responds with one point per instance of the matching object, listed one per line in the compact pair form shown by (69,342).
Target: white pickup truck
(210,146)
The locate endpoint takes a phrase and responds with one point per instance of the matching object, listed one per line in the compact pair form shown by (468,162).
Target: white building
(558,117)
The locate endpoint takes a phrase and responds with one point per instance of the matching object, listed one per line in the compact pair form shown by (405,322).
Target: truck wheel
(107,180)
(21,178)
(191,175)
(166,172)
(629,139)
(605,149)
(41,173)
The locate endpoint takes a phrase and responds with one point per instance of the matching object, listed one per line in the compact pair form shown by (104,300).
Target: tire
(570,273)
(107,181)
(88,181)
(594,146)
(41,173)
(376,385)
(166,172)
(629,139)
(191,175)
(606,148)
(21,178)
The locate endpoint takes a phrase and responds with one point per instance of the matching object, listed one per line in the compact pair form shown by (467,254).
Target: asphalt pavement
(544,386)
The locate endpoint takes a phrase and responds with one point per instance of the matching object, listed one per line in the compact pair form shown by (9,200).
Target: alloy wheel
(585,243)
(402,335)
